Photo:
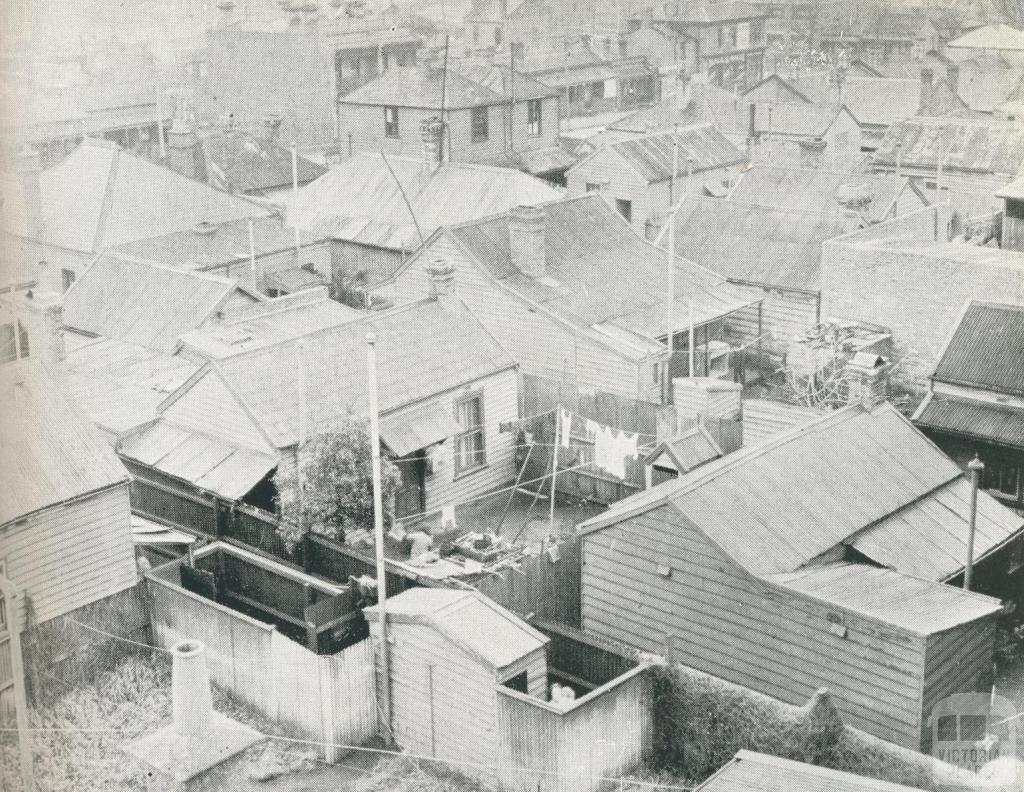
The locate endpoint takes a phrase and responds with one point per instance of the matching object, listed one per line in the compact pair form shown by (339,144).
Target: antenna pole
(295,197)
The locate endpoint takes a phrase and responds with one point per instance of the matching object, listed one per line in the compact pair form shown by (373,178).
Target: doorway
(411,496)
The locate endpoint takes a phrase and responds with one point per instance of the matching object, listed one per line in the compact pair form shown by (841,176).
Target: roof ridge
(113,253)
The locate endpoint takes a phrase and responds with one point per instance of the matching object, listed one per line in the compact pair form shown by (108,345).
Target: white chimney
(441,273)
(191,699)
(526,240)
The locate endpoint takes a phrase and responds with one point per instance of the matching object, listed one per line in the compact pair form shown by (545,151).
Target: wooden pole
(11,604)
(160,124)
(691,361)
(378,529)
(670,295)
(252,254)
(295,196)
(554,466)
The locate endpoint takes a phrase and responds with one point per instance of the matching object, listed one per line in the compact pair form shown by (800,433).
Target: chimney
(927,79)
(953,77)
(29,167)
(752,122)
(526,240)
(432,137)
(271,126)
(47,305)
(811,153)
(191,700)
(441,273)
(227,8)
(868,379)
(183,149)
(655,225)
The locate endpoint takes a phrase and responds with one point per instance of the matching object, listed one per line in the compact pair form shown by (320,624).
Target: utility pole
(976,468)
(378,528)
(12,604)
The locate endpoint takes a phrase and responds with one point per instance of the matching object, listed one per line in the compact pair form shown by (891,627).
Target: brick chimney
(432,137)
(441,273)
(183,150)
(868,381)
(811,153)
(526,240)
(927,86)
(271,126)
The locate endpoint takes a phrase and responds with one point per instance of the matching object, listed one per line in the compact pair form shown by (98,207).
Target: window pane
(972,727)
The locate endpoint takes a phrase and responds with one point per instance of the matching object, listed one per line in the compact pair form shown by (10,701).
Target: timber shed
(800,563)
(449,649)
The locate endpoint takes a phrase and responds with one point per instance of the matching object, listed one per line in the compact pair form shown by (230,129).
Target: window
(13,342)
(67,277)
(721,37)
(733,35)
(384,61)
(624,208)
(391,122)
(356,66)
(1002,476)
(593,187)
(518,682)
(469,443)
(478,122)
(533,117)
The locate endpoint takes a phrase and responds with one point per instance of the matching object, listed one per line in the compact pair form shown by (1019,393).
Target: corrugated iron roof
(691,449)
(100,196)
(928,538)
(143,303)
(600,272)
(499,79)
(360,201)
(754,772)
(467,618)
(991,37)
(424,86)
(239,162)
(207,462)
(758,244)
(49,451)
(423,349)
(808,190)
(923,607)
(411,430)
(703,144)
(856,477)
(986,349)
(877,101)
(994,423)
(973,145)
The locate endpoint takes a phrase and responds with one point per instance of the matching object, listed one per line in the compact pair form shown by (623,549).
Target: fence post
(10,599)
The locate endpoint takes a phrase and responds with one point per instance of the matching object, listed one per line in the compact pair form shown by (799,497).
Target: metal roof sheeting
(758,244)
(207,462)
(652,156)
(142,303)
(423,86)
(49,451)
(754,772)
(600,273)
(467,618)
(997,37)
(928,538)
(994,423)
(987,349)
(966,144)
(410,431)
(923,607)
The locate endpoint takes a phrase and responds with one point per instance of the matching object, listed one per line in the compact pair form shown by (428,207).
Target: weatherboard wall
(657,575)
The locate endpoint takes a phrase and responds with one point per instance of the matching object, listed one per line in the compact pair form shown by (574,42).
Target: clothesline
(527,419)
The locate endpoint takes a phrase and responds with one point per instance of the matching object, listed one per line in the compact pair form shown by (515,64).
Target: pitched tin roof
(995,423)
(423,86)
(986,349)
(652,156)
(100,196)
(143,303)
(997,37)
(49,451)
(499,79)
(967,144)
(423,349)
(881,101)
(851,477)
(468,619)
(239,162)
(360,201)
(600,273)
(758,244)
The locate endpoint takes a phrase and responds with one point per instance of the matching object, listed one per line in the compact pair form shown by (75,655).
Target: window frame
(535,117)
(626,203)
(391,126)
(465,433)
(479,132)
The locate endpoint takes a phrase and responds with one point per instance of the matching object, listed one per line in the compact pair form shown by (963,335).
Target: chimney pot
(192,703)
(811,152)
(527,240)
(441,273)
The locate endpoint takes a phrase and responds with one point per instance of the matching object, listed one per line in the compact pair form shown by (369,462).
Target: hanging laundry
(565,427)
(616,463)
(630,442)
(604,442)
(448,516)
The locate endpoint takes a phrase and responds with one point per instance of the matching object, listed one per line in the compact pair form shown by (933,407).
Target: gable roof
(810,190)
(502,80)
(1002,424)
(986,350)
(100,196)
(468,619)
(687,451)
(599,274)
(758,244)
(709,13)
(798,120)
(982,146)
(997,37)
(778,82)
(424,86)
(776,506)
(239,162)
(49,451)
(756,772)
(360,201)
(423,349)
(651,155)
(881,102)
(143,303)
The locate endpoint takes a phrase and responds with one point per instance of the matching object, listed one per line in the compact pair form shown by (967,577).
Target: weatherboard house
(814,559)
